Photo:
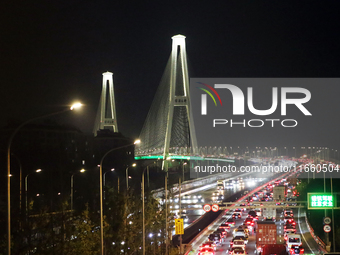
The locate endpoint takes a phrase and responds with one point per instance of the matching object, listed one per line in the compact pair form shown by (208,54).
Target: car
(206,251)
(237,215)
(289,226)
(293,240)
(288,219)
(239,243)
(244,238)
(288,211)
(222,232)
(252,213)
(225,226)
(239,232)
(288,232)
(294,250)
(243,227)
(249,221)
(237,250)
(220,198)
(208,244)
(258,212)
(216,238)
(231,222)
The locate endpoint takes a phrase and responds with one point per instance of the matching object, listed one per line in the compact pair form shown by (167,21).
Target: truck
(220,184)
(266,234)
(273,249)
(279,193)
(269,213)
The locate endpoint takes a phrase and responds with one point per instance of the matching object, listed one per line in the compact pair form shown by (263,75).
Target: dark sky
(52,52)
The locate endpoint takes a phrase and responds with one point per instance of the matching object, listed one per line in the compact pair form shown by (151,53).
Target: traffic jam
(259,230)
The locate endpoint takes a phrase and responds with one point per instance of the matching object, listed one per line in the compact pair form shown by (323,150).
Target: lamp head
(38,170)
(75,106)
(137,141)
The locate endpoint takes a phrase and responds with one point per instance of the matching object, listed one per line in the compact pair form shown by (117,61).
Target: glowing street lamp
(26,187)
(101,192)
(104,178)
(81,171)
(127,175)
(75,106)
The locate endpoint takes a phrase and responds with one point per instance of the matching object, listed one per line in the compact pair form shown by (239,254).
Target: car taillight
(293,223)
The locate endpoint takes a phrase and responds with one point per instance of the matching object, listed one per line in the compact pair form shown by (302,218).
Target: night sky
(53,52)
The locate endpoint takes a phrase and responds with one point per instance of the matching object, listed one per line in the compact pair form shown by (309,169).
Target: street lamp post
(101,193)
(81,171)
(26,187)
(104,179)
(74,106)
(184,163)
(127,175)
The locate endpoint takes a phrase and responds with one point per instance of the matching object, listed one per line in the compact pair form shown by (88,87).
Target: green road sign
(321,201)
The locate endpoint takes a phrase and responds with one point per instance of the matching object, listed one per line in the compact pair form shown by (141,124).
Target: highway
(190,200)
(309,244)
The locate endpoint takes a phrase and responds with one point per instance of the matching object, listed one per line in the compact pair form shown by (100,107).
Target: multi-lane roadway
(309,244)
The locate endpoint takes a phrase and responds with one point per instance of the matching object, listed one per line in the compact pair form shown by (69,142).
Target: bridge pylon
(106,113)
(169,125)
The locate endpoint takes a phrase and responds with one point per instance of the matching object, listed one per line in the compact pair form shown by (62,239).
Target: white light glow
(75,106)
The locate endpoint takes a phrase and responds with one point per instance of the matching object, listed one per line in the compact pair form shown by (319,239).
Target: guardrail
(317,239)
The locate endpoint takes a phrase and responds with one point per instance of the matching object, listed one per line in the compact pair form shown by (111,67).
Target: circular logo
(215,208)
(207,208)
(327,220)
(327,228)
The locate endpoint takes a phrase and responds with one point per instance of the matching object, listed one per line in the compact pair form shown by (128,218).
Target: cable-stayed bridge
(168,131)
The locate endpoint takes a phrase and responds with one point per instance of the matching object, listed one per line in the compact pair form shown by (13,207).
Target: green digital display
(320,201)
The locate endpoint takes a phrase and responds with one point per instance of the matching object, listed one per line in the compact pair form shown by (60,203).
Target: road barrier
(317,239)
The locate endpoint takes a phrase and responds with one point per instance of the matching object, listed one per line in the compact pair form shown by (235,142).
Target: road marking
(303,233)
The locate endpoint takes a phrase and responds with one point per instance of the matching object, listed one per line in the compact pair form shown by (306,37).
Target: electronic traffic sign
(320,200)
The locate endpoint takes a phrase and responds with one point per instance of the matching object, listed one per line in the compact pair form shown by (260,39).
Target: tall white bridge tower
(169,128)
(106,113)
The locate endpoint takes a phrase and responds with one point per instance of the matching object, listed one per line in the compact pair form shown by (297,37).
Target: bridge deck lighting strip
(182,157)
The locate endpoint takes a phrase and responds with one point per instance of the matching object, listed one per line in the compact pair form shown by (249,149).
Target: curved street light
(74,106)
(101,192)
(111,170)
(26,190)
(80,171)
(127,175)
